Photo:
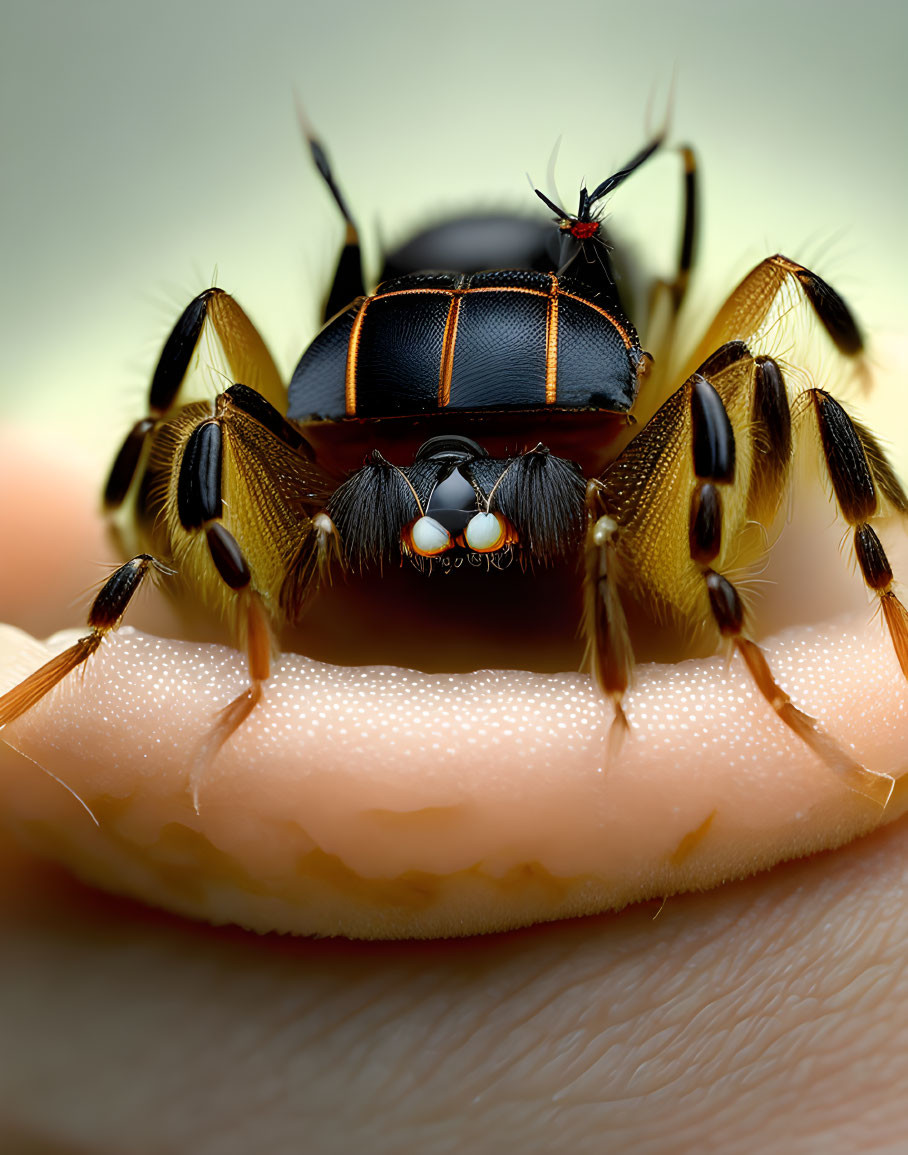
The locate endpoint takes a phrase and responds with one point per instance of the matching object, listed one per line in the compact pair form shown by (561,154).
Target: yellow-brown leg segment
(105,615)
(201,475)
(729,615)
(714,467)
(259,644)
(611,658)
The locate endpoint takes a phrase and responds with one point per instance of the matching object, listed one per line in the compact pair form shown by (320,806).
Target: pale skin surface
(766,1012)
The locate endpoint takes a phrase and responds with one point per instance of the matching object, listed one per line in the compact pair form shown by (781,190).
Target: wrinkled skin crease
(658,1028)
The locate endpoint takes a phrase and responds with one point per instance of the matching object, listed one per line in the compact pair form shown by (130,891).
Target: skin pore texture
(662,1032)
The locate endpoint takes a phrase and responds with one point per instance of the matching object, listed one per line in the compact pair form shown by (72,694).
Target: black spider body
(507,339)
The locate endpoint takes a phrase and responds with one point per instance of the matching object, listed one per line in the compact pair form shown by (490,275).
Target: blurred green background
(146,146)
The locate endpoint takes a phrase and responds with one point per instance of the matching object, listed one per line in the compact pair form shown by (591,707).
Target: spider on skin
(483,332)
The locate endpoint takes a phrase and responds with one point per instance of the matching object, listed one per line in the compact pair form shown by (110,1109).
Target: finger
(666,1033)
(381,802)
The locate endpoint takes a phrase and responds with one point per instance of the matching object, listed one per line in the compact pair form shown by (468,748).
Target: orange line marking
(447,353)
(352,355)
(551,346)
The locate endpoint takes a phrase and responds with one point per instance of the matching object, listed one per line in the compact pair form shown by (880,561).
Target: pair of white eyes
(484,533)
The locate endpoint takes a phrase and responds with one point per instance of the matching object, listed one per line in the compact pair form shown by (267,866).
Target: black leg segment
(688,228)
(705,524)
(852,459)
(348,282)
(254,405)
(126,463)
(227,556)
(713,440)
(835,316)
(770,431)
(177,353)
(199,483)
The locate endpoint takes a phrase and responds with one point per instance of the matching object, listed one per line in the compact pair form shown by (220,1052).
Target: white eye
(485,532)
(429,537)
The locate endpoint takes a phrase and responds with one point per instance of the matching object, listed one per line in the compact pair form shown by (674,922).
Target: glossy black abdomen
(509,339)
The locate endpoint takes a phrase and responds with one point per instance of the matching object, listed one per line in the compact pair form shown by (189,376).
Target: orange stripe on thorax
(447,353)
(352,355)
(551,346)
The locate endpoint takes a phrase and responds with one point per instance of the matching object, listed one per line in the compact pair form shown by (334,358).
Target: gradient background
(145,146)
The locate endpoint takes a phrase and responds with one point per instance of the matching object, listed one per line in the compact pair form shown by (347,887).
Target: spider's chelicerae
(486,333)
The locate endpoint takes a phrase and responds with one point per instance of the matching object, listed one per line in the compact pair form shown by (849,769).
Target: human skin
(767,1007)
